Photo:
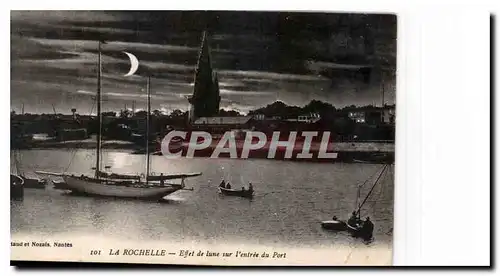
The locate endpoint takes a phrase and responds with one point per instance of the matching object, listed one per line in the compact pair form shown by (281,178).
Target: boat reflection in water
(289,201)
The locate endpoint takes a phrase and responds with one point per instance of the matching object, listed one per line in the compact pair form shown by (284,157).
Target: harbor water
(291,199)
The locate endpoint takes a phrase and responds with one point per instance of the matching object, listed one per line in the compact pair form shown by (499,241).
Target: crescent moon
(134,64)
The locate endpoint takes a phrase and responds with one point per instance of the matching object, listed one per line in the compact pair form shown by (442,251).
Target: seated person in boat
(354,219)
(250,187)
(334,218)
(242,189)
(367,226)
(228,186)
(222,184)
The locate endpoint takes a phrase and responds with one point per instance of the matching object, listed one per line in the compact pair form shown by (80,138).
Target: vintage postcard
(203,137)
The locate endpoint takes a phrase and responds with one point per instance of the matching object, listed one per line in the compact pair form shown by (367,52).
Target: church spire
(206,96)
(216,91)
(205,56)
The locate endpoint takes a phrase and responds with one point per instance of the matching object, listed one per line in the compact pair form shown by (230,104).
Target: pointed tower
(206,96)
(216,91)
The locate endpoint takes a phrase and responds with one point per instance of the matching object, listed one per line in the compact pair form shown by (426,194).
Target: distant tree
(157,113)
(316,106)
(350,107)
(109,114)
(141,113)
(343,125)
(229,113)
(176,113)
(279,109)
(125,113)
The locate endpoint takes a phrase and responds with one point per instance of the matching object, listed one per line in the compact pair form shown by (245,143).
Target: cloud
(110,45)
(54,55)
(242,37)
(155,48)
(270,75)
(62,16)
(136,96)
(168,66)
(319,65)
(245,93)
(108,30)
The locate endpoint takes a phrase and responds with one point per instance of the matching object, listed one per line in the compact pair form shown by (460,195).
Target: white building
(309,118)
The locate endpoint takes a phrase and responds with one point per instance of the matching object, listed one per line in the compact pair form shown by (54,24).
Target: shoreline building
(205,100)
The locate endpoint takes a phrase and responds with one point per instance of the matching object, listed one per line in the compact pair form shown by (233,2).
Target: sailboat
(122,185)
(355,225)
(16,183)
(28,182)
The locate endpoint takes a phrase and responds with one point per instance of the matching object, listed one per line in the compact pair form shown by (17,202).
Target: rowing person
(368,224)
(222,184)
(367,228)
(354,219)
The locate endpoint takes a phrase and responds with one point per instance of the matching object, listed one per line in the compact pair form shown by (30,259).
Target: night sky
(261,57)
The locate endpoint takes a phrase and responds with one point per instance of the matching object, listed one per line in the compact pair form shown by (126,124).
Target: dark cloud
(260,56)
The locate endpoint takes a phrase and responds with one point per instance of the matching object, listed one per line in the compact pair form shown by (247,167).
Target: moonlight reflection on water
(291,200)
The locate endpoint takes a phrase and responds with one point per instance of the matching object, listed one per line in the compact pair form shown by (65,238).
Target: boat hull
(96,188)
(60,185)
(335,225)
(16,187)
(33,183)
(358,231)
(240,193)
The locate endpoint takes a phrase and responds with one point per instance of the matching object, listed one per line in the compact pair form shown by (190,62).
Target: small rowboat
(60,185)
(358,231)
(233,192)
(34,183)
(335,225)
(354,227)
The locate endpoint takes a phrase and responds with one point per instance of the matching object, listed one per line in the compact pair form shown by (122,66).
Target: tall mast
(148,87)
(383,92)
(99,131)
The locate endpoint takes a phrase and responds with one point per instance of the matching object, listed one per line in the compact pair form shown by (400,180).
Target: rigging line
(366,181)
(371,190)
(17,164)
(76,149)
(382,189)
(358,194)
